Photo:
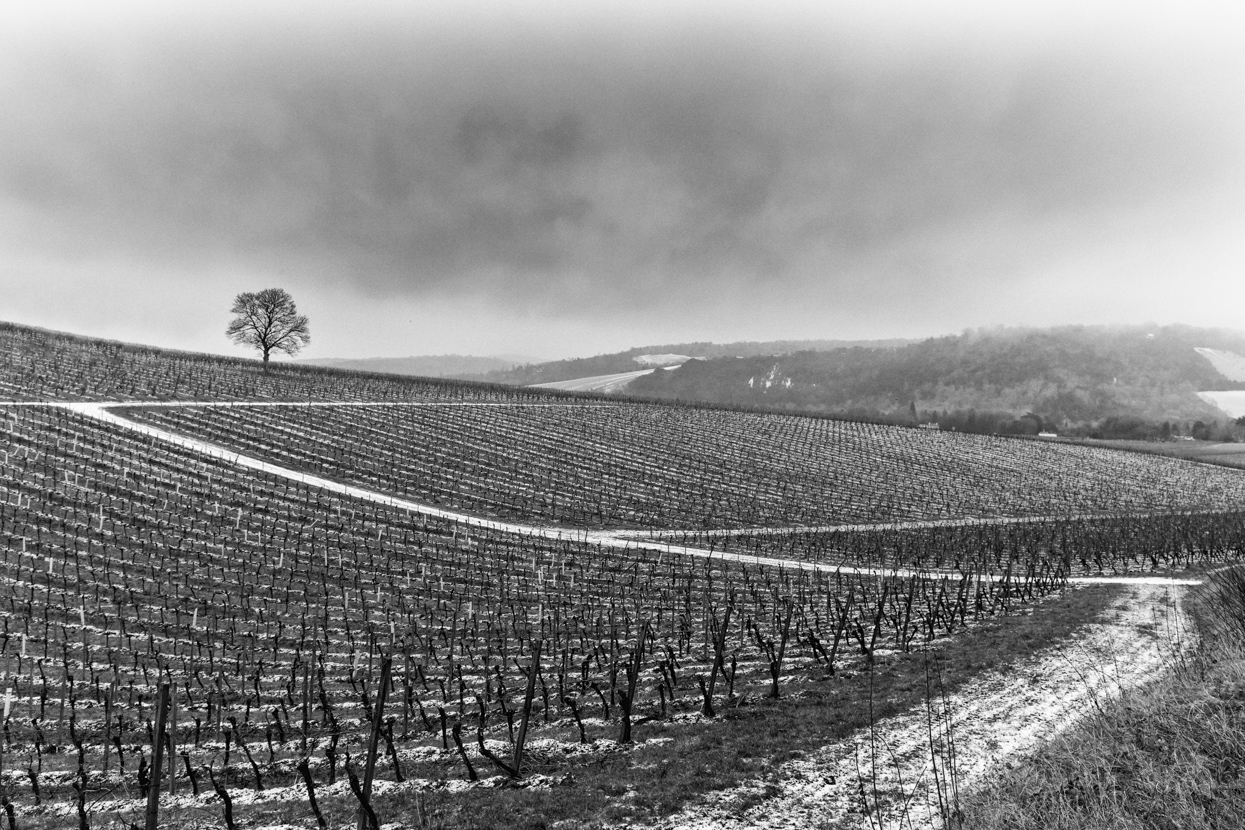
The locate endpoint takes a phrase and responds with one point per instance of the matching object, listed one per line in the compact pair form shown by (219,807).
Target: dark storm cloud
(608,161)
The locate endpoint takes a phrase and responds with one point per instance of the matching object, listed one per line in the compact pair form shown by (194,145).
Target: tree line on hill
(625,361)
(1120,427)
(1117,382)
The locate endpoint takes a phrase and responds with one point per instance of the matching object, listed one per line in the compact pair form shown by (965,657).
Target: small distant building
(1048,435)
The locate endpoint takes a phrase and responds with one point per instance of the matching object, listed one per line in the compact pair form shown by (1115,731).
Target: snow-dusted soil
(1231,402)
(596,383)
(295,794)
(901,773)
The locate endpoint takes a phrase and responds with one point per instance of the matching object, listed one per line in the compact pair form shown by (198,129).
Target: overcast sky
(558,179)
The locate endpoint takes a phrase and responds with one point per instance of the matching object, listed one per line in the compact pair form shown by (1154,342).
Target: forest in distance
(1138,382)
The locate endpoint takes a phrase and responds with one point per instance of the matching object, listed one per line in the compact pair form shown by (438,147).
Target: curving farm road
(998,716)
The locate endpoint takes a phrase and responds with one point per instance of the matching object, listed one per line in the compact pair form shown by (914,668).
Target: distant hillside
(427,366)
(1066,377)
(1229,364)
(618,362)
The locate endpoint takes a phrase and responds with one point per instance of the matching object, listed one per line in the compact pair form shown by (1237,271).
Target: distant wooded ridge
(1114,381)
(522,370)
(625,361)
(429,366)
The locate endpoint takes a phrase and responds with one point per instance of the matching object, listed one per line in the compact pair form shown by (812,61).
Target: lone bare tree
(268,320)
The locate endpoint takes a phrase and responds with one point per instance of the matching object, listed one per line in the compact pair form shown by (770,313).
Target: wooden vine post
(107,739)
(157,757)
(378,718)
(171,737)
(527,708)
(633,677)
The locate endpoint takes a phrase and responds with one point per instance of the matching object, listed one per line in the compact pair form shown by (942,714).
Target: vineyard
(42,365)
(643,466)
(1078,546)
(186,635)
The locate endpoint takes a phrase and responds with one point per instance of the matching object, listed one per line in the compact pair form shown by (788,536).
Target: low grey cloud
(563,160)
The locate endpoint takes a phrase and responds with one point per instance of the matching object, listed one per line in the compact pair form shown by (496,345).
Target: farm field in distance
(525,607)
(1228,455)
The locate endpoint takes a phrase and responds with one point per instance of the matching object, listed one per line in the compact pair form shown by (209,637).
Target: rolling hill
(633,359)
(427,366)
(1068,378)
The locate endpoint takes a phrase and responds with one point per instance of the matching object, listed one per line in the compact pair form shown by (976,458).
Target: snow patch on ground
(1229,364)
(663,360)
(900,771)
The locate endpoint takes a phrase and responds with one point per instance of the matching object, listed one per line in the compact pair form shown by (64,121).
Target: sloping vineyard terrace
(1083,546)
(39,365)
(266,606)
(644,466)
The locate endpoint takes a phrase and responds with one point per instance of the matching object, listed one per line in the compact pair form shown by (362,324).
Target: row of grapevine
(1079,546)
(44,365)
(267,609)
(646,466)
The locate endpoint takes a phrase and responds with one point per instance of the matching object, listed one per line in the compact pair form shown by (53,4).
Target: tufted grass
(1170,754)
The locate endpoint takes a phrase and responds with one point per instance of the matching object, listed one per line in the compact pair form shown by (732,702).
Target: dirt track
(997,717)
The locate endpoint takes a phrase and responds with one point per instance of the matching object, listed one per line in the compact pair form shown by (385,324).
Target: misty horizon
(546,179)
